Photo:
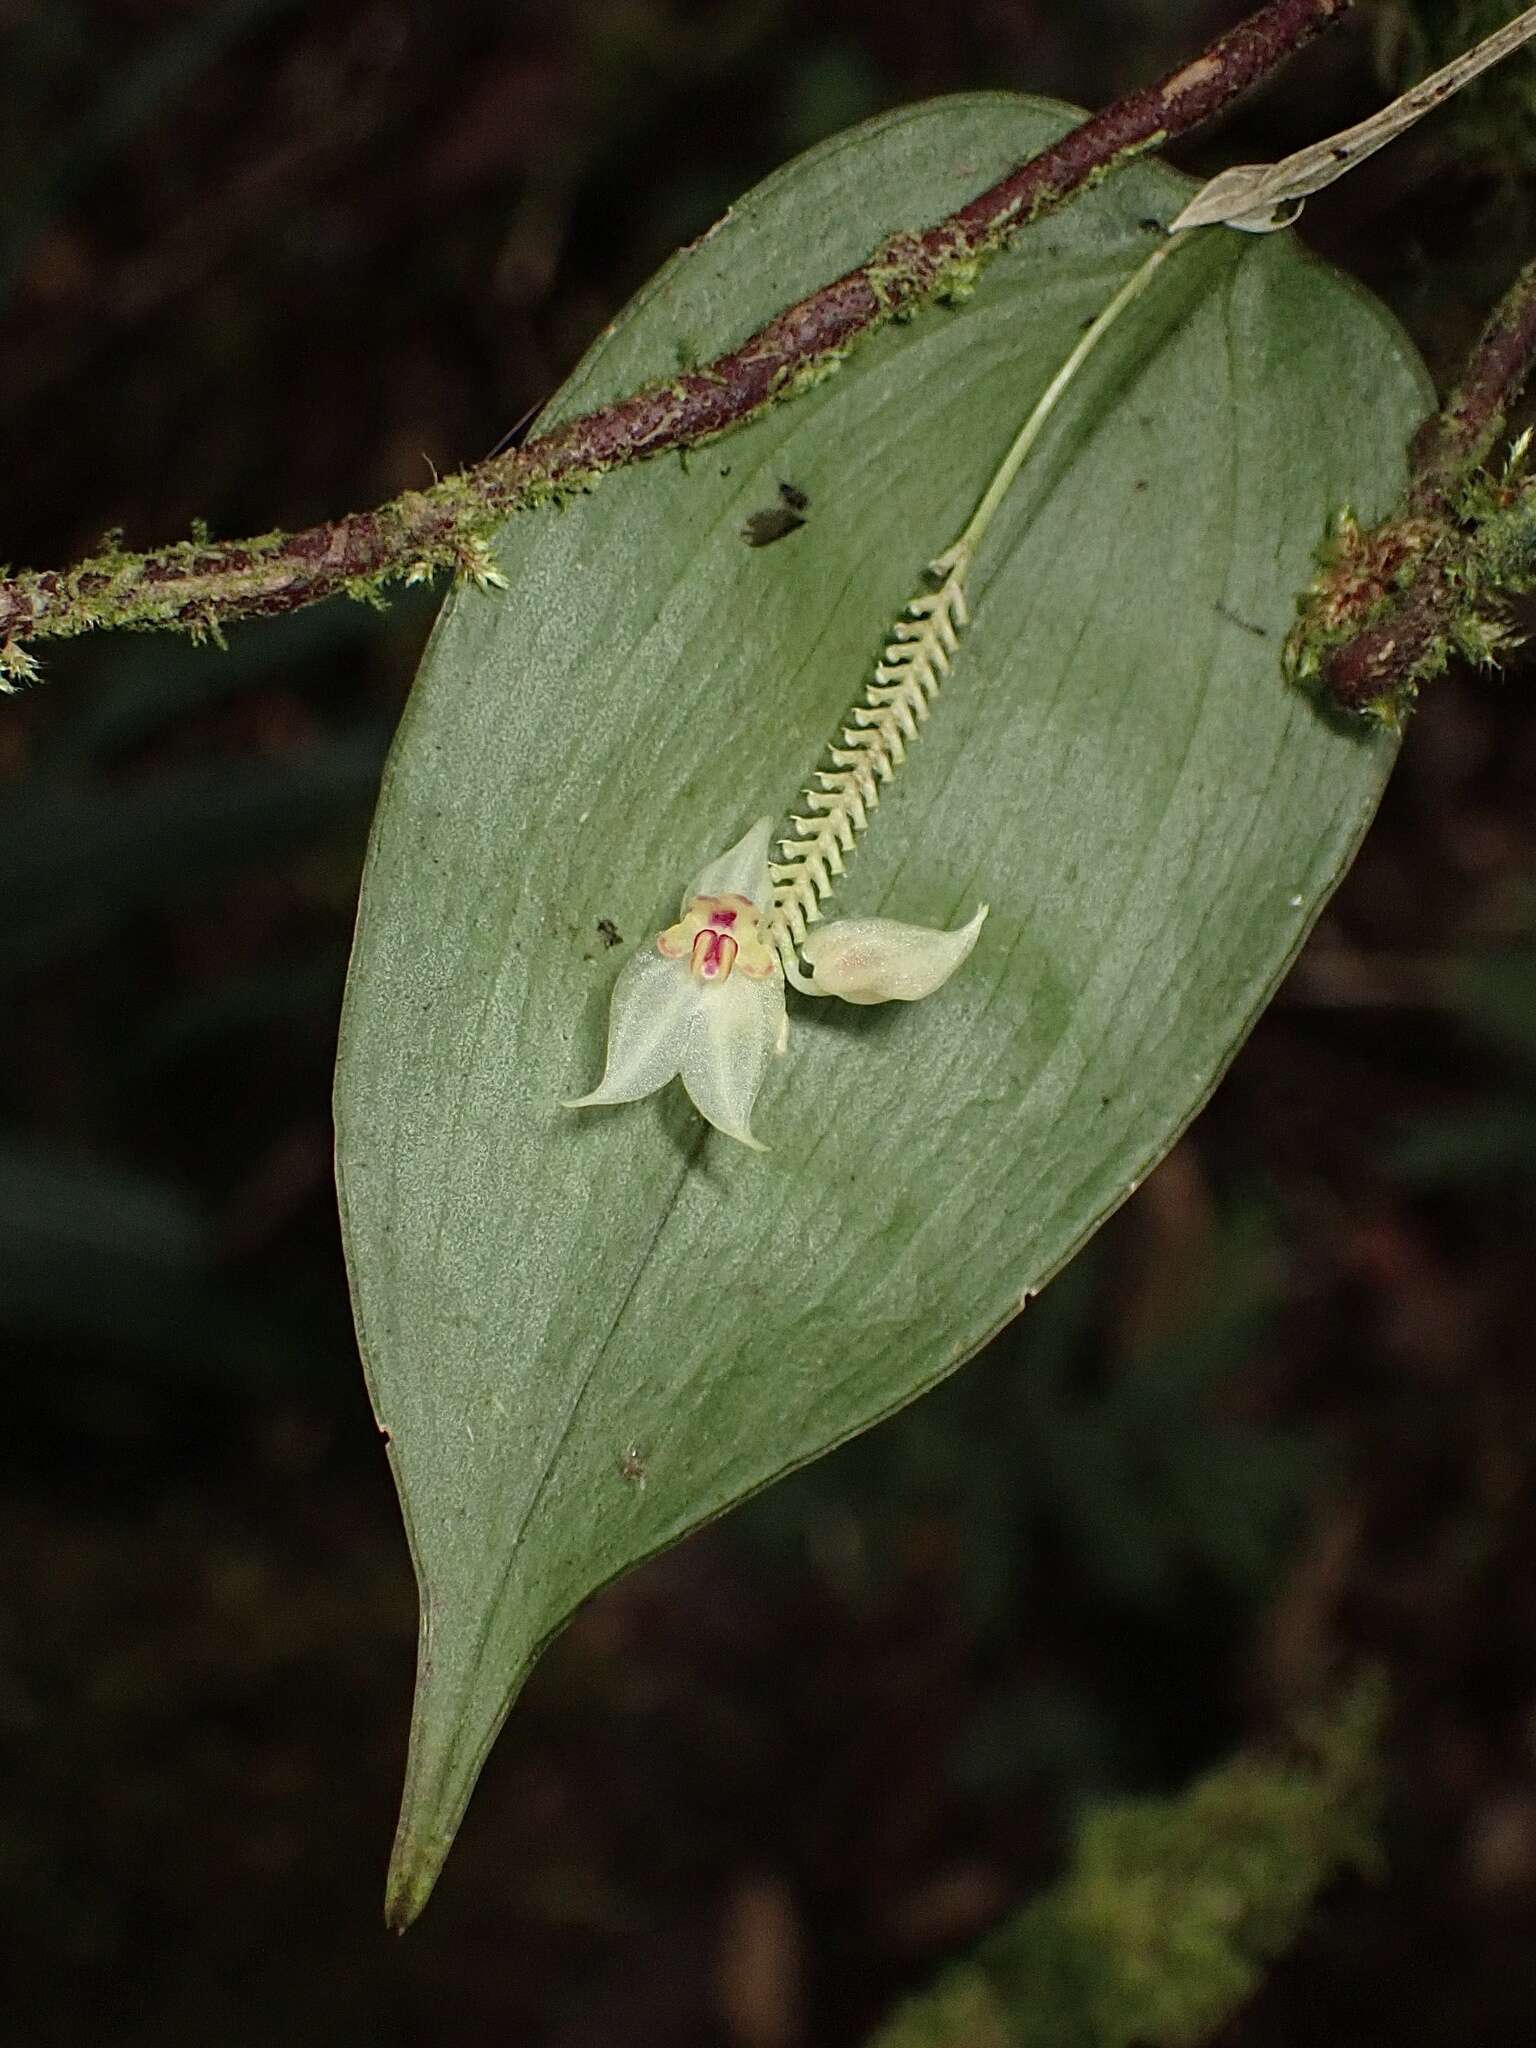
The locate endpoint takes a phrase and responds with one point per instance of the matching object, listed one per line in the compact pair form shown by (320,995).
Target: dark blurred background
(261,263)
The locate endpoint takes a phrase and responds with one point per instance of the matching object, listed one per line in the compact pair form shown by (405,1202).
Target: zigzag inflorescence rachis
(913,665)
(871,746)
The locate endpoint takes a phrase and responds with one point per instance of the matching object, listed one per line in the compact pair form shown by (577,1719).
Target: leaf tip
(413,1871)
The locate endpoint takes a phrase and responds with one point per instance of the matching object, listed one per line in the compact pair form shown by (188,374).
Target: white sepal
(652,1007)
(731,1039)
(877,960)
(743,871)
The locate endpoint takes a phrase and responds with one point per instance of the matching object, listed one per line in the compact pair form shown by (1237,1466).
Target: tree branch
(1394,603)
(1454,442)
(198,585)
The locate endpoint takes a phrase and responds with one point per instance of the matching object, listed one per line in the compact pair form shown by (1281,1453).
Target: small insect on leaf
(777,523)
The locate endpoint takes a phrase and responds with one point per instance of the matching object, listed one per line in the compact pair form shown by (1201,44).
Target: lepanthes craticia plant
(704,1000)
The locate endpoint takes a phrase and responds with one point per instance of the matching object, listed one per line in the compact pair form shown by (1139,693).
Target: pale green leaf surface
(587,1332)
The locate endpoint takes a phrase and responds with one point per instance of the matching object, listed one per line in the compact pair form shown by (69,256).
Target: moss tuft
(1173,1908)
(1393,605)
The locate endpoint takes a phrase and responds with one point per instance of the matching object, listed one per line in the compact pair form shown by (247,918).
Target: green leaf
(587,1333)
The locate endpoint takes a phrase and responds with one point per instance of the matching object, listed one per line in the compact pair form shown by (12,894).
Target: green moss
(1434,588)
(1172,1908)
(960,280)
(795,378)
(892,274)
(17,668)
(367,590)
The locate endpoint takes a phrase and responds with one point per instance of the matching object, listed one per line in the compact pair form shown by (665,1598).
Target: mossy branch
(197,586)
(1163,1926)
(1394,603)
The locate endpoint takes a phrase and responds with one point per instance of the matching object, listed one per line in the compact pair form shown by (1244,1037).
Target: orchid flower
(704,1000)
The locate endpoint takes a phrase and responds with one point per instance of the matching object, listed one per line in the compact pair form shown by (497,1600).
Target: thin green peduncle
(965,547)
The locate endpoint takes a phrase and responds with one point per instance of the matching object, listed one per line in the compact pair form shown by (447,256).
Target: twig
(199,585)
(1456,440)
(1394,603)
